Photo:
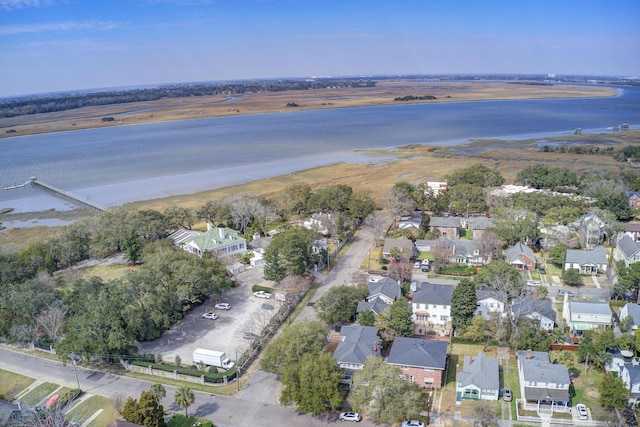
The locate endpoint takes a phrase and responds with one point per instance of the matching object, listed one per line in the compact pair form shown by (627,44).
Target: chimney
(221,233)
(375,346)
(529,354)
(470,360)
(208,226)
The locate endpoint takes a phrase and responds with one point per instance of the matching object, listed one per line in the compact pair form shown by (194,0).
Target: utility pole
(75,368)
(238,371)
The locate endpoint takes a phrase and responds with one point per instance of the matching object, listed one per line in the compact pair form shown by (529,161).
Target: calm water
(121,164)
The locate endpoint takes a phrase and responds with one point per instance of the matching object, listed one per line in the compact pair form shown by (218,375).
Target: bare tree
(52,320)
(489,244)
(400,270)
(484,413)
(374,221)
(442,254)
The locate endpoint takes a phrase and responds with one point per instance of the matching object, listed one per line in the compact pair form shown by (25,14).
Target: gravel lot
(225,333)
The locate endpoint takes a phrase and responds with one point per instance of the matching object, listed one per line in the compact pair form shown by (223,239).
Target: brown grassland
(411,163)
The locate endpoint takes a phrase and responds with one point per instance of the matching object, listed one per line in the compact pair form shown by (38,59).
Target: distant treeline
(66,101)
(622,154)
(414,98)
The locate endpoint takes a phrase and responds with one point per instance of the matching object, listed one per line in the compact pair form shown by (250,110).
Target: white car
(413,423)
(223,306)
(583,414)
(210,315)
(262,294)
(350,416)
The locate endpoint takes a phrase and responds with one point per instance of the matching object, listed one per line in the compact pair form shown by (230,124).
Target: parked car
(507,396)
(249,336)
(416,264)
(223,306)
(583,414)
(413,423)
(262,294)
(425,268)
(267,306)
(564,291)
(210,315)
(542,270)
(350,416)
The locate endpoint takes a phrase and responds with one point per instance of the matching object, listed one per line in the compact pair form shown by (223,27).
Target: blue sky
(54,45)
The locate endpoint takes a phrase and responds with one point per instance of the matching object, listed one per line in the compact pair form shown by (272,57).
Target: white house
(583,316)
(490,302)
(591,261)
(540,310)
(431,305)
(216,240)
(633,310)
(630,375)
(544,386)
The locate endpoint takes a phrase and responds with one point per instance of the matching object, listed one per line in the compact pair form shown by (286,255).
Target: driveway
(223,334)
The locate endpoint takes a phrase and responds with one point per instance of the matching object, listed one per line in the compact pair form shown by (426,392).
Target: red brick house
(422,361)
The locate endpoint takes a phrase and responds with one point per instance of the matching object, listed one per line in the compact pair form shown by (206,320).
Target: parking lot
(226,332)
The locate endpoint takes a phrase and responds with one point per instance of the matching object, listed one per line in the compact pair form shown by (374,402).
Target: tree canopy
(300,338)
(463,303)
(289,254)
(339,303)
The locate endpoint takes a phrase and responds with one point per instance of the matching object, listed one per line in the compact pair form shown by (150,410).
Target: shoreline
(177,109)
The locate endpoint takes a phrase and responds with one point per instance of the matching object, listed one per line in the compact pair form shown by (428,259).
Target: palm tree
(158,391)
(184,398)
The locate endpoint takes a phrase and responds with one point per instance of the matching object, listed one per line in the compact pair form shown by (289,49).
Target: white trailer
(212,358)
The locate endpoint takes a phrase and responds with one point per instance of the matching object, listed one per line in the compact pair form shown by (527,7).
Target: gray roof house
(10,414)
(422,361)
(358,343)
(544,386)
(404,245)
(627,250)
(490,301)
(411,222)
(469,252)
(377,305)
(387,289)
(520,256)
(630,375)
(591,261)
(593,229)
(479,379)
(633,310)
(446,226)
(581,316)
(480,225)
(431,305)
(535,309)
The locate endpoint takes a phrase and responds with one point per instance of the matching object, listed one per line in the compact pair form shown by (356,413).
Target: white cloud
(23,4)
(66,26)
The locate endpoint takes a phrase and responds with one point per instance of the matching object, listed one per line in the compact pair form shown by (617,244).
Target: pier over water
(82,201)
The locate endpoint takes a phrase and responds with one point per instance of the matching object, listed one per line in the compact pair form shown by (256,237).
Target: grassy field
(38,394)
(83,411)
(11,384)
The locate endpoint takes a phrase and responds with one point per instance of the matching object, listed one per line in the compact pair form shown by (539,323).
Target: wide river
(116,165)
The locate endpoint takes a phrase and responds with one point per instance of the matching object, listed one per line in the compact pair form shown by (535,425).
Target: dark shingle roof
(359,343)
(419,352)
(595,256)
(482,294)
(480,371)
(529,306)
(633,310)
(433,294)
(377,305)
(386,286)
(513,253)
(628,246)
(444,221)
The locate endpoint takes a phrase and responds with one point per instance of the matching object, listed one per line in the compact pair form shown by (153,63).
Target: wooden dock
(82,201)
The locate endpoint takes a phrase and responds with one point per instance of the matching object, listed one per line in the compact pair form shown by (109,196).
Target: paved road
(256,405)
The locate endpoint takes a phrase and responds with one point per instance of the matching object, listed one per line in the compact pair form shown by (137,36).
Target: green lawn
(180,420)
(35,396)
(87,408)
(11,384)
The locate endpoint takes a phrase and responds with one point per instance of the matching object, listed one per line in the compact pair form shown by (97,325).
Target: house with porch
(479,379)
(544,386)
(422,361)
(431,305)
(582,316)
(627,250)
(219,241)
(520,256)
(490,302)
(590,261)
(357,345)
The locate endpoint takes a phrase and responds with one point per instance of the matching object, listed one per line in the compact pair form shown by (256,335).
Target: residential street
(256,404)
